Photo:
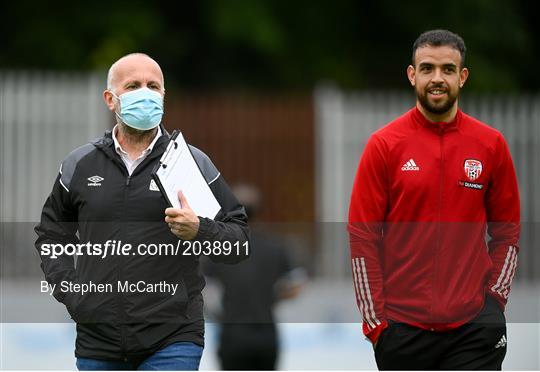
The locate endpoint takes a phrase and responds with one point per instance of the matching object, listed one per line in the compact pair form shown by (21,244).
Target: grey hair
(113,66)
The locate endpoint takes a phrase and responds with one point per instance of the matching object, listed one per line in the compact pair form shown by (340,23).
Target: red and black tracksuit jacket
(424,196)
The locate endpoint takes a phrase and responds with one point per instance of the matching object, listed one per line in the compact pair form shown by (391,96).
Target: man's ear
(463,76)
(109,99)
(411,73)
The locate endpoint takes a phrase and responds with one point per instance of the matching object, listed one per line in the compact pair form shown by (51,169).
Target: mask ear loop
(120,104)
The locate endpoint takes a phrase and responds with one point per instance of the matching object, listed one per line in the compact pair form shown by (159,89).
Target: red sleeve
(503,216)
(367,212)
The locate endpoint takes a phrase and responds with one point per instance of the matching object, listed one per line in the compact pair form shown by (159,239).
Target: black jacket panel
(95,201)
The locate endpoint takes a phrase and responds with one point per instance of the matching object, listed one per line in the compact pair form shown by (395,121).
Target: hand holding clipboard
(178,171)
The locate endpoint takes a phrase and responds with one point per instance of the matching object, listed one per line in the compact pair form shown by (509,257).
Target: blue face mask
(141,109)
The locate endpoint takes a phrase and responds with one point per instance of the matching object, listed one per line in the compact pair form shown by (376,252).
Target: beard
(132,131)
(136,135)
(437,108)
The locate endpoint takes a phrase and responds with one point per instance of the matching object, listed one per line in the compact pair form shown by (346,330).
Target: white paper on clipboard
(178,171)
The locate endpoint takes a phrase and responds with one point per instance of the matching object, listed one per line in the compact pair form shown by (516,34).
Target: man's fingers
(179,218)
(183,201)
(182,221)
(173,212)
(176,218)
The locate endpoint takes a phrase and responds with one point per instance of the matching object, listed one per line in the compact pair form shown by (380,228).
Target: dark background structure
(273,45)
(234,65)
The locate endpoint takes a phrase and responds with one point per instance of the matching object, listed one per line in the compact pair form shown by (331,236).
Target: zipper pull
(441,130)
(128,180)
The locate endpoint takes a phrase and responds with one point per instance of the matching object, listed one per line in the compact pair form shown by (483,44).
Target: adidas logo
(501,343)
(410,166)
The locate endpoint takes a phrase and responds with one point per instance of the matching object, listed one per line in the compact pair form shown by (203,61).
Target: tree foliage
(273,44)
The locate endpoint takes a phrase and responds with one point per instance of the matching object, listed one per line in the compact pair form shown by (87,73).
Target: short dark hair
(438,38)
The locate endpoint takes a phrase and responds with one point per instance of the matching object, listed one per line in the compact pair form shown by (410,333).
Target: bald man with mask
(141,311)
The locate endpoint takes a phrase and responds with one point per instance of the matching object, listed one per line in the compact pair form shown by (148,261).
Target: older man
(139,310)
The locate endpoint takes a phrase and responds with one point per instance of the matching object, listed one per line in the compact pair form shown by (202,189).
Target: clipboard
(177,170)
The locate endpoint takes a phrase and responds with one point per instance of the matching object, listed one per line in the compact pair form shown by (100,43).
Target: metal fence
(42,116)
(265,140)
(344,122)
(302,153)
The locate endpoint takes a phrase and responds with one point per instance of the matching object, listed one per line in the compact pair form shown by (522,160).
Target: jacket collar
(439,127)
(107,141)
(120,150)
(106,144)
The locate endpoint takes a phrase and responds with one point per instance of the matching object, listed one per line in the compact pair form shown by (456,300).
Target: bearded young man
(105,193)
(430,289)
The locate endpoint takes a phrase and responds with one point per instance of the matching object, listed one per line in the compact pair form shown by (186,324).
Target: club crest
(473,169)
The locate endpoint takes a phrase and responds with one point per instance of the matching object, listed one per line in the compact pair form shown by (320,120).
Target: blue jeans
(183,356)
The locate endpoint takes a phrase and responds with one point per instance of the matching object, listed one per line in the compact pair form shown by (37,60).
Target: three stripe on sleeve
(365,300)
(363,292)
(502,287)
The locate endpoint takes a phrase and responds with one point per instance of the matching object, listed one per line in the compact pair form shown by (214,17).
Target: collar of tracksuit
(106,143)
(438,127)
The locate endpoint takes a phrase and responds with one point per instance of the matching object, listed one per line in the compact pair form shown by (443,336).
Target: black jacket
(122,209)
